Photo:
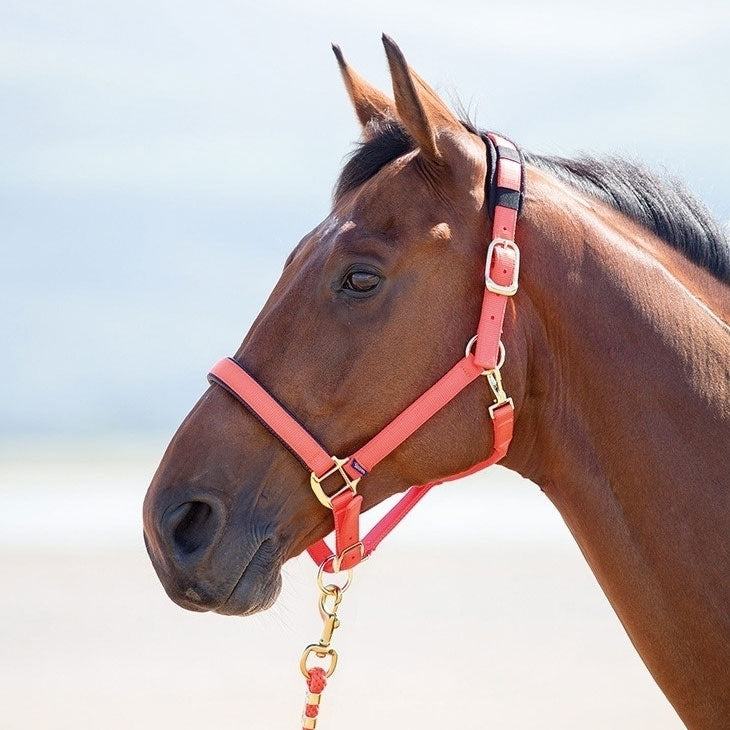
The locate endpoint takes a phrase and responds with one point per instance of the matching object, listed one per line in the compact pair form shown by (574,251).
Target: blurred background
(159,161)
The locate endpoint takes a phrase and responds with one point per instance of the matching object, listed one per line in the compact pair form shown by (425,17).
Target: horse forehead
(396,197)
(335,224)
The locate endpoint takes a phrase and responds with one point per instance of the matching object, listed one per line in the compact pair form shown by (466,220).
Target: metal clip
(494,378)
(330,624)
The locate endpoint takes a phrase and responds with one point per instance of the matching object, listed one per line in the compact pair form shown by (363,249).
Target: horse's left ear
(420,109)
(370,103)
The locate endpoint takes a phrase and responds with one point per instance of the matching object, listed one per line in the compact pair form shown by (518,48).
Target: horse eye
(361,281)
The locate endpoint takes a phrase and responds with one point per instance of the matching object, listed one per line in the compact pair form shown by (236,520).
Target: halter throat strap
(335,481)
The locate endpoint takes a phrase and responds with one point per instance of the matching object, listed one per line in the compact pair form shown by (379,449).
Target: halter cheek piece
(484,356)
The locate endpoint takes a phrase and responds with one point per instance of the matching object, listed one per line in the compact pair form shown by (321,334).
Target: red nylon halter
(502,270)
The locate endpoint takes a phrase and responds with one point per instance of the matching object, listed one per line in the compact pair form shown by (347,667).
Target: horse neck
(624,424)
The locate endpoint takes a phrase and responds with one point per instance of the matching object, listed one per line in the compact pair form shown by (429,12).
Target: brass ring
(502,352)
(332,589)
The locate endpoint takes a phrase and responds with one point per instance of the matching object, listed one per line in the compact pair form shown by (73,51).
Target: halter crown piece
(335,481)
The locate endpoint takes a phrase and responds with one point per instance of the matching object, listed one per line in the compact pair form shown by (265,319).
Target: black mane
(665,207)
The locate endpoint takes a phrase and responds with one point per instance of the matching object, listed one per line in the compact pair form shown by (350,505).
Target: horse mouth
(254,587)
(257,587)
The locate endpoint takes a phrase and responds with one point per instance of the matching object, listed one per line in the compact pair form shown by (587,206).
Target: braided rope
(316,682)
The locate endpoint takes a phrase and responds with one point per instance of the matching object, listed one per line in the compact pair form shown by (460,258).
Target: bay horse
(618,366)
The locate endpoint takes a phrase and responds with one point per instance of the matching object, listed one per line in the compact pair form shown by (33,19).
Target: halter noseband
(484,356)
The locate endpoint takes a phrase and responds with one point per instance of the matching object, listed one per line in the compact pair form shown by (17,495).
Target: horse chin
(252,593)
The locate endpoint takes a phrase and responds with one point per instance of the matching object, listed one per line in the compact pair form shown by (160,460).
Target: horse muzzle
(208,557)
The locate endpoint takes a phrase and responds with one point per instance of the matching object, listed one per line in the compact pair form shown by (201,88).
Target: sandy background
(431,636)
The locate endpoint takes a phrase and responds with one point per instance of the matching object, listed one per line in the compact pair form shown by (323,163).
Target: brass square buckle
(506,290)
(337,560)
(316,482)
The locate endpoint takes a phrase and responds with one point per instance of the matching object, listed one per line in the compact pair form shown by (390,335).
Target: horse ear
(419,107)
(370,103)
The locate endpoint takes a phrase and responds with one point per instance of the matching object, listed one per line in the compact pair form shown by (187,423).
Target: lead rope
(330,597)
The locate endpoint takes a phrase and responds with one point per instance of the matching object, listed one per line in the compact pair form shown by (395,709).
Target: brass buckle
(337,559)
(316,482)
(506,290)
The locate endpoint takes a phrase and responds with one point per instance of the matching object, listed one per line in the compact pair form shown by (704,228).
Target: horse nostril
(191,527)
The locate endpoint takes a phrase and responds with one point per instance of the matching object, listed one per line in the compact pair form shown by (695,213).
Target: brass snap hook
(494,377)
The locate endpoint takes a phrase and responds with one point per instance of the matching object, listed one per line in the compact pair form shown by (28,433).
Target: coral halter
(484,356)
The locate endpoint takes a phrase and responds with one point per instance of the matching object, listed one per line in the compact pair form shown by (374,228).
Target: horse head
(372,307)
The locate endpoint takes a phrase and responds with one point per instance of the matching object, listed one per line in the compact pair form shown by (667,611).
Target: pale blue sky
(159,160)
